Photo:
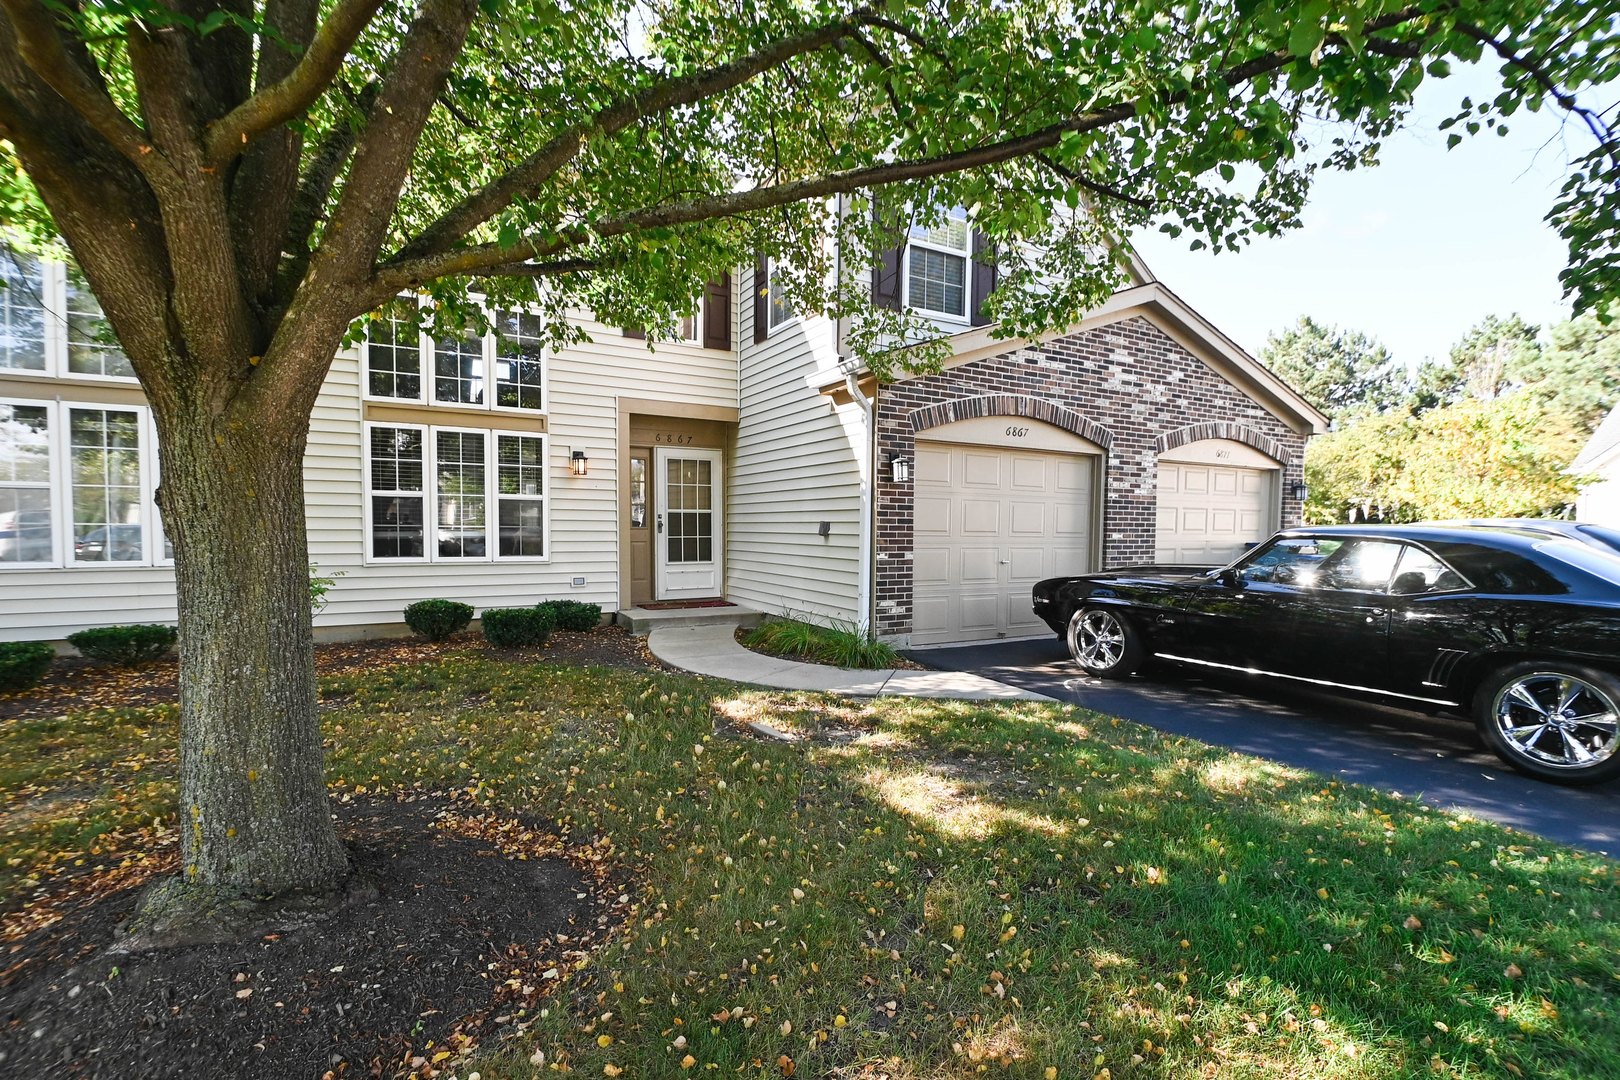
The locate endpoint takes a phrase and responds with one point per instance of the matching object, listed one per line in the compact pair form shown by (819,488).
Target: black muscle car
(1518,626)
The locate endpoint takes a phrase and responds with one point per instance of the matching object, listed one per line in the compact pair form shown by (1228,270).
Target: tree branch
(41,48)
(1092,185)
(661,96)
(291,95)
(1594,121)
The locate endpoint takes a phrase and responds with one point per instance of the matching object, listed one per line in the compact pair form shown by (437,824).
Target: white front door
(687,536)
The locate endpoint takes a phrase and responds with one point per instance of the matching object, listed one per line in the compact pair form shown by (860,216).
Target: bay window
(51,323)
(468,477)
(77,484)
(937,266)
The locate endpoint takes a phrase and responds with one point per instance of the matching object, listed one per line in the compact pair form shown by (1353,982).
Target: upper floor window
(936,272)
(402,364)
(77,486)
(52,324)
(779,310)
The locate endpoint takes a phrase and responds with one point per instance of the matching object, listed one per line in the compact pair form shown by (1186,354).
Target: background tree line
(1489,431)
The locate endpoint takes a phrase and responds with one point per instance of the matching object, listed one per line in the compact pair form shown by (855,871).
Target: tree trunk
(254,815)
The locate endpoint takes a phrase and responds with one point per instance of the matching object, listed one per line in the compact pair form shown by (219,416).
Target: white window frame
(423,362)
(430,496)
(772,280)
(53,298)
(427,347)
(965,253)
(60,461)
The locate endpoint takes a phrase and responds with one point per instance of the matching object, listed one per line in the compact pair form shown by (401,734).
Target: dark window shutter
(762,298)
(717,313)
(635,332)
(886,279)
(984,277)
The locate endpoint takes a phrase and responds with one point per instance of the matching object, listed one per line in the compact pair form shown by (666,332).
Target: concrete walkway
(712,649)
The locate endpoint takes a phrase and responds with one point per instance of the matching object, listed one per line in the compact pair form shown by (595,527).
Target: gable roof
(1604,441)
(1153,300)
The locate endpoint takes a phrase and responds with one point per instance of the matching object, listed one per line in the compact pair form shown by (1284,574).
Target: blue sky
(1412,252)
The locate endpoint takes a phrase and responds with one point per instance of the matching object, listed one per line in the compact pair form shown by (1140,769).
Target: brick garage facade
(1128,387)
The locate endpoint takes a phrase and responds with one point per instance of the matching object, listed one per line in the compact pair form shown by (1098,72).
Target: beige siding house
(1599,500)
(751,463)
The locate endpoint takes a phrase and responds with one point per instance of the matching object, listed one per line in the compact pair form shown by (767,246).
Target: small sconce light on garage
(899,469)
(1299,491)
(578,463)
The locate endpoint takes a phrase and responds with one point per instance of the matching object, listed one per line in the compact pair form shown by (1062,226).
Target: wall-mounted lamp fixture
(578,463)
(899,468)
(1299,490)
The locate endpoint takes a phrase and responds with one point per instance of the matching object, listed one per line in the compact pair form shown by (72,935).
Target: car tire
(1104,643)
(1552,720)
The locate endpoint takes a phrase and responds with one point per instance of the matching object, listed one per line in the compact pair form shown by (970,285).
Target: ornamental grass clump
(840,644)
(437,619)
(126,645)
(516,627)
(572,614)
(23,663)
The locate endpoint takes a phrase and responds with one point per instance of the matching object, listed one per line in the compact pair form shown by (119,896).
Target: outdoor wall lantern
(578,463)
(899,469)
(1299,490)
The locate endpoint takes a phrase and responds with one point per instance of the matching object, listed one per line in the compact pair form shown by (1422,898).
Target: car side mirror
(1230,578)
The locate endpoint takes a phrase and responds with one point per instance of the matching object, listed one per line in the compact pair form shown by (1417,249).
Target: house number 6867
(1018,432)
(673,440)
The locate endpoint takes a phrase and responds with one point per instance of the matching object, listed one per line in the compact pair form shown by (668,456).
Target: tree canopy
(1338,371)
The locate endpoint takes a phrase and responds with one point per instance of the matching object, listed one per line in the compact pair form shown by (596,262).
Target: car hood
(1158,574)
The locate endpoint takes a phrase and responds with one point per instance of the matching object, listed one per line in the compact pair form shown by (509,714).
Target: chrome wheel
(1556,721)
(1097,639)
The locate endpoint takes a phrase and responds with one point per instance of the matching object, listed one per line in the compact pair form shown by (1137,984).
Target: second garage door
(988,524)
(1208,514)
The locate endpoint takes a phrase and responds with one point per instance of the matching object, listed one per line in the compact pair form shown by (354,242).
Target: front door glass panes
(689,488)
(22,312)
(92,348)
(459,476)
(105,461)
(458,371)
(394,353)
(521,486)
(25,485)
(397,493)
(519,365)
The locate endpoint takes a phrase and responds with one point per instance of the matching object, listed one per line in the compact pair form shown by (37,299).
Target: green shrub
(437,619)
(125,644)
(840,644)
(572,614)
(516,627)
(23,663)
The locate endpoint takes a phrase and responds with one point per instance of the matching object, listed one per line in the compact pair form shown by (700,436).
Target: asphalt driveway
(1435,758)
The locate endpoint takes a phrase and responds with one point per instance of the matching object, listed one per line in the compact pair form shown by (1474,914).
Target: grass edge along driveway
(936,889)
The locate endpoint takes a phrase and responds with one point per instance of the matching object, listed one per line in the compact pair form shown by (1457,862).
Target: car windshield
(1584,557)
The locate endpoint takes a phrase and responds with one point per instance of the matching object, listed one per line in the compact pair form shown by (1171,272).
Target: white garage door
(988,524)
(1207,514)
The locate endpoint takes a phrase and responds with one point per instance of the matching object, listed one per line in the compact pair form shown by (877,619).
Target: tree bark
(253,806)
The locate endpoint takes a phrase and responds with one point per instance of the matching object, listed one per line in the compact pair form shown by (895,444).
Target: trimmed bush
(437,619)
(572,615)
(125,644)
(516,627)
(23,663)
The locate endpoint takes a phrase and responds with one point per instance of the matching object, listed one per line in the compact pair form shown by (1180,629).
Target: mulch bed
(73,683)
(475,921)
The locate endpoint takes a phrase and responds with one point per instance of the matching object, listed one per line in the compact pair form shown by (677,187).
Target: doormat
(676,605)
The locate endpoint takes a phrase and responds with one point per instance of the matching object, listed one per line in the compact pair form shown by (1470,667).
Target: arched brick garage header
(1222,429)
(1029,408)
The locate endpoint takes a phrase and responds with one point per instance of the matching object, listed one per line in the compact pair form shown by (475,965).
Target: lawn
(928,889)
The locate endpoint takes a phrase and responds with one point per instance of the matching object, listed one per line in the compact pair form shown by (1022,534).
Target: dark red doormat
(676,605)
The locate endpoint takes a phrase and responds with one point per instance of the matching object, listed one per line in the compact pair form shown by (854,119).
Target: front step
(641,621)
